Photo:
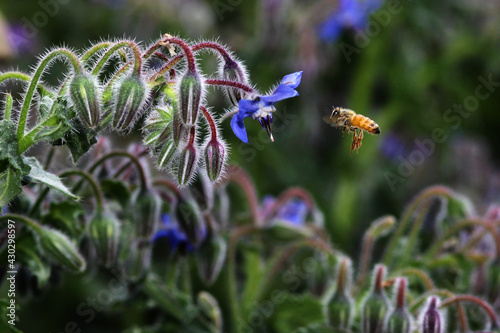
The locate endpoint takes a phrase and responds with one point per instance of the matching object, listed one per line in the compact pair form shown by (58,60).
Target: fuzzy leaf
(285,318)
(116,190)
(79,140)
(38,174)
(65,215)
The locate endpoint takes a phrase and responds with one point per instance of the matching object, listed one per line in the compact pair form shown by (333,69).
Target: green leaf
(35,264)
(79,140)
(116,190)
(38,174)
(12,166)
(287,306)
(65,215)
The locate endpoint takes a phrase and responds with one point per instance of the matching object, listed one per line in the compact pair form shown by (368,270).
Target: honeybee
(352,122)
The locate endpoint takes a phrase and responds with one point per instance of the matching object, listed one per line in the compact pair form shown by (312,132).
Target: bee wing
(328,120)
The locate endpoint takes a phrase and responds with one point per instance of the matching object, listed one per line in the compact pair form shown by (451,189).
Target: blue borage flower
(349,14)
(175,236)
(262,107)
(294,211)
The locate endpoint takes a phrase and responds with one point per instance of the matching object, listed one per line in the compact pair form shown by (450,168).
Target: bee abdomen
(365,124)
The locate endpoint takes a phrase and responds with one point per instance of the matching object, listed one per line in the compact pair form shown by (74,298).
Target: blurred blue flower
(349,14)
(4,210)
(262,107)
(393,147)
(175,236)
(294,211)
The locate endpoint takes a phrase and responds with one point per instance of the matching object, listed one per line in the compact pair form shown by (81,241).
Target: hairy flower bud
(210,258)
(210,309)
(431,319)
(146,209)
(400,320)
(139,260)
(130,97)
(376,305)
(215,154)
(58,247)
(340,308)
(166,154)
(190,220)
(187,163)
(84,94)
(178,129)
(233,71)
(105,233)
(189,97)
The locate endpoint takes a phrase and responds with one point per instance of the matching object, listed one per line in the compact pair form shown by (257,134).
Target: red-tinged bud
(400,320)
(130,97)
(179,130)
(189,97)
(233,71)
(167,153)
(105,233)
(215,155)
(84,94)
(340,308)
(431,319)
(376,305)
(187,163)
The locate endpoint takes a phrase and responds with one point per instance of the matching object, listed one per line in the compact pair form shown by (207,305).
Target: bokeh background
(412,66)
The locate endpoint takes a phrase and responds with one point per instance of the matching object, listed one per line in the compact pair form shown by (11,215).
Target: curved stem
(432,252)
(132,46)
(169,185)
(210,45)
(8,106)
(23,77)
(93,184)
(210,121)
(185,48)
(93,50)
(26,220)
(166,68)
(407,216)
(423,276)
(23,116)
(468,298)
(227,83)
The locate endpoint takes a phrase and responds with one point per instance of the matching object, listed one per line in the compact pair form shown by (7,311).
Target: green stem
(93,50)
(407,217)
(93,184)
(29,222)
(29,139)
(8,106)
(23,117)
(23,77)
(131,45)
(433,251)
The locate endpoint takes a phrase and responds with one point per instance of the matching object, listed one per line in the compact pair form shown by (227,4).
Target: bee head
(335,111)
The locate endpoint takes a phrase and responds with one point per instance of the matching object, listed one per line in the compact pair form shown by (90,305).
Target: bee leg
(343,131)
(354,142)
(360,138)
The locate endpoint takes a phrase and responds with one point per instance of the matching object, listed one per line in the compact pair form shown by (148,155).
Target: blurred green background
(410,72)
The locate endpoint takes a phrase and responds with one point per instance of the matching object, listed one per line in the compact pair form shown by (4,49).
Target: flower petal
(292,80)
(247,108)
(282,92)
(239,128)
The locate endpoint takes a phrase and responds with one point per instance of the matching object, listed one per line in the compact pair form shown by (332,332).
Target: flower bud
(211,257)
(431,319)
(215,154)
(187,163)
(130,97)
(340,308)
(146,209)
(190,97)
(178,129)
(84,94)
(400,320)
(321,275)
(233,71)
(190,220)
(167,153)
(58,247)
(376,305)
(210,308)
(105,232)
(139,260)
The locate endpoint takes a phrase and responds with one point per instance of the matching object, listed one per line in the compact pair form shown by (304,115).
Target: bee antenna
(329,106)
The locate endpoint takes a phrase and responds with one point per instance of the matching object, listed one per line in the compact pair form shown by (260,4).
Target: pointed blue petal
(292,80)
(239,128)
(282,92)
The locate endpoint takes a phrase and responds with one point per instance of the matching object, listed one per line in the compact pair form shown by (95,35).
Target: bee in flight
(352,122)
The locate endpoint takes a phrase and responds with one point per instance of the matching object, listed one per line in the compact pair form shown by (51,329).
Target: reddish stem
(400,297)
(192,135)
(468,298)
(215,46)
(217,82)
(211,122)
(187,51)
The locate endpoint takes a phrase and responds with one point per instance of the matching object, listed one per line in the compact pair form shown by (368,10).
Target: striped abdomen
(365,123)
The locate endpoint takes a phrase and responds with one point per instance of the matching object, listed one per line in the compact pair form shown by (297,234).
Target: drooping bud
(167,153)
(104,231)
(400,320)
(215,155)
(189,97)
(431,320)
(130,97)
(376,305)
(210,308)
(321,276)
(187,163)
(146,212)
(234,71)
(84,94)
(58,247)
(340,308)
(210,258)
(178,129)
(139,260)
(190,220)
